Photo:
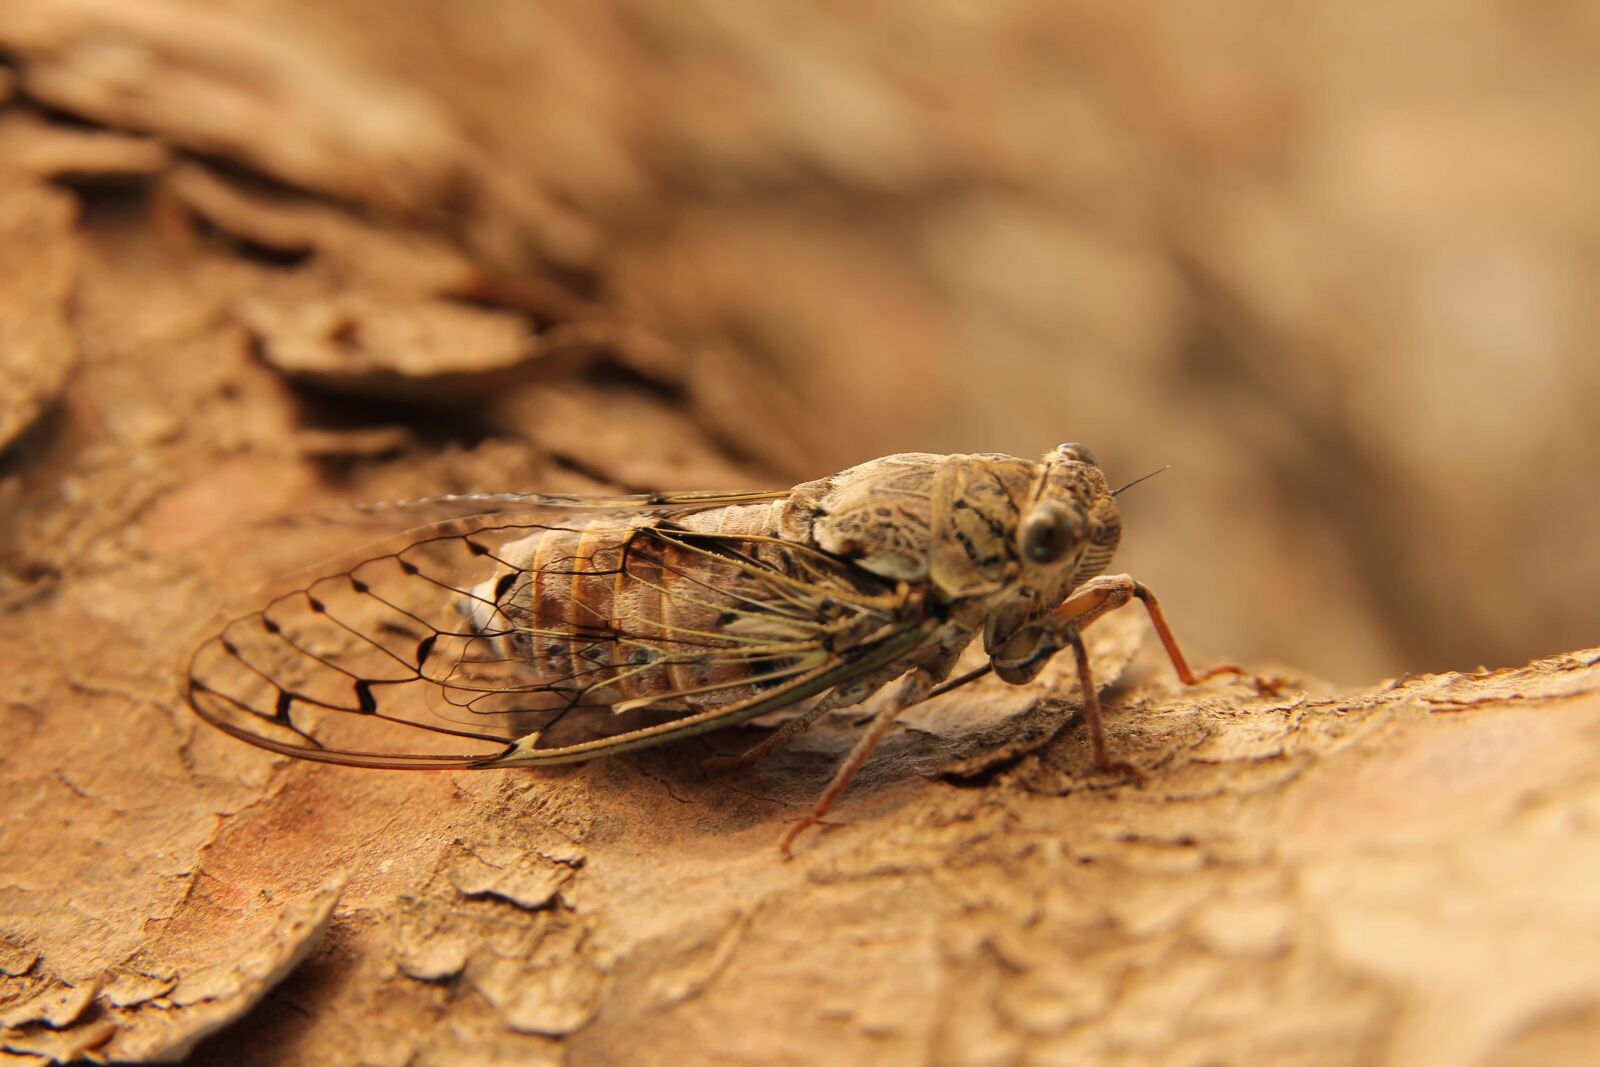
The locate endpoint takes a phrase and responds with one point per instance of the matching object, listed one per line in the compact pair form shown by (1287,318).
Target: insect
(560,629)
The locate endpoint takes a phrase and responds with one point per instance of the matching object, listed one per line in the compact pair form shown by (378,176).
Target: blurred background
(1334,264)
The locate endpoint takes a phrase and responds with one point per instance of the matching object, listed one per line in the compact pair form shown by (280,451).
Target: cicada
(560,629)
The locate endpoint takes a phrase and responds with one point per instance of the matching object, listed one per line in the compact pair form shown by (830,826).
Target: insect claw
(1271,685)
(1126,769)
(786,843)
(717,764)
(1221,669)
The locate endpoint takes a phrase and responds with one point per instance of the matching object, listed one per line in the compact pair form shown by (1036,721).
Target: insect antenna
(1141,478)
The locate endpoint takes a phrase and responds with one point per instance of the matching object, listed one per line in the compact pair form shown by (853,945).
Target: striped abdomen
(642,612)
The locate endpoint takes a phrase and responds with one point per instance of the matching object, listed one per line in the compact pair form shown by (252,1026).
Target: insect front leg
(1024,656)
(1100,595)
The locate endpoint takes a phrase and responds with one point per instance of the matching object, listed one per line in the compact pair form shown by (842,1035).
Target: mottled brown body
(528,635)
(567,624)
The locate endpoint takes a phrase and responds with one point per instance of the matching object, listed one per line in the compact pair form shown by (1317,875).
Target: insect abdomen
(623,612)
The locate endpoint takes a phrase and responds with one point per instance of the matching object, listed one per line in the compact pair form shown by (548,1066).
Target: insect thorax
(953,521)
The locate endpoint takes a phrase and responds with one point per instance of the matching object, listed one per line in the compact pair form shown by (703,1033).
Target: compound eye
(1074,451)
(1048,534)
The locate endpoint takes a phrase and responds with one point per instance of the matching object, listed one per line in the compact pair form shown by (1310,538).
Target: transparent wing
(580,626)
(383,517)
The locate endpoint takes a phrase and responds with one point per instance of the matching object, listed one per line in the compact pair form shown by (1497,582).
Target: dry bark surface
(247,279)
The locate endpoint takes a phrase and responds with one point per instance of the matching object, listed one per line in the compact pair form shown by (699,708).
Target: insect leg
(790,729)
(912,690)
(1094,599)
(844,695)
(1091,708)
(1065,627)
(1109,592)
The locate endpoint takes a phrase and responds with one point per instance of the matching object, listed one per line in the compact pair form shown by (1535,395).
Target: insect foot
(786,842)
(1126,770)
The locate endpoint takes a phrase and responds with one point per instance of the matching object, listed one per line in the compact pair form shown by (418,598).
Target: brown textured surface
(264,259)
(37,267)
